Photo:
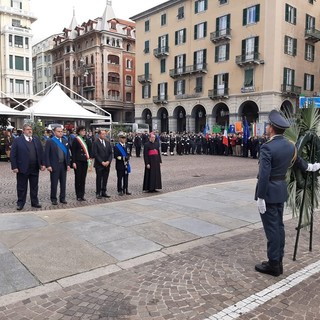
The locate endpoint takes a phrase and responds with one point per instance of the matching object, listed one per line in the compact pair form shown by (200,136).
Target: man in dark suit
(122,165)
(57,160)
(276,156)
(81,154)
(26,161)
(102,152)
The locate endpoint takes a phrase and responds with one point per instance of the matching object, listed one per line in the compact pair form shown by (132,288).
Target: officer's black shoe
(280,265)
(36,206)
(98,196)
(83,199)
(54,202)
(79,199)
(19,208)
(105,195)
(270,267)
(128,193)
(63,201)
(120,193)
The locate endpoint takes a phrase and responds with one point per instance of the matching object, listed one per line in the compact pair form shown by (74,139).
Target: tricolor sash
(60,145)
(85,148)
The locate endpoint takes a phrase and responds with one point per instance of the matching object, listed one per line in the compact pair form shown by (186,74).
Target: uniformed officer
(276,156)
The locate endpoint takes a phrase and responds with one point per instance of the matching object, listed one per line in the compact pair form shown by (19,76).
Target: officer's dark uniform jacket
(276,156)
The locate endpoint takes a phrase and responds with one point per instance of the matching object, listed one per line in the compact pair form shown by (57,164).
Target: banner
(307,102)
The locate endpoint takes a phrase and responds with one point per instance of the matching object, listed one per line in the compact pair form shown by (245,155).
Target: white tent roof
(56,104)
(7,111)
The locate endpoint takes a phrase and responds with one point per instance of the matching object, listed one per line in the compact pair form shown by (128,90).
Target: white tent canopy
(7,111)
(56,104)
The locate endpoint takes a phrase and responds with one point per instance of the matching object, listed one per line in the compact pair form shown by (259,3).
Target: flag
(246,130)
(238,126)
(206,129)
(225,137)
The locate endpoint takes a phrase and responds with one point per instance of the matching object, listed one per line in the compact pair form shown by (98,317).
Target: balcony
(248,59)
(218,93)
(291,90)
(187,96)
(162,99)
(220,35)
(145,78)
(161,52)
(312,34)
(89,86)
(193,69)
(248,89)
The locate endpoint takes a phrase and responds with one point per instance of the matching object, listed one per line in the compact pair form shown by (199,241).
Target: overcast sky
(53,16)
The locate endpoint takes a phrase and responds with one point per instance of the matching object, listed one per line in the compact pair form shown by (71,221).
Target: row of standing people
(58,156)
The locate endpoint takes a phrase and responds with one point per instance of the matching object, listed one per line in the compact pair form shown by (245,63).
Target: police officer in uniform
(276,156)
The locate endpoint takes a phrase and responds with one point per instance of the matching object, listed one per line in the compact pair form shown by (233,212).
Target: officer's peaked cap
(277,120)
(121,134)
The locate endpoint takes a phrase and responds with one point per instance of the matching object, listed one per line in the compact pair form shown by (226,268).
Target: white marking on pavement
(249,304)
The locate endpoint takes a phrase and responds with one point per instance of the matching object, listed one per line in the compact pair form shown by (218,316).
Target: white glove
(313,167)
(261,206)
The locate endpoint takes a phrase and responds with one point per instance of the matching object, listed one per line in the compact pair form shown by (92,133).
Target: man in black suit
(122,165)
(26,161)
(57,160)
(102,152)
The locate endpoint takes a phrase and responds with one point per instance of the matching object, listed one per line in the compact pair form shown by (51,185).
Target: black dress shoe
(79,199)
(120,193)
(128,193)
(269,267)
(19,208)
(83,199)
(54,202)
(105,195)
(63,201)
(36,206)
(98,196)
(280,265)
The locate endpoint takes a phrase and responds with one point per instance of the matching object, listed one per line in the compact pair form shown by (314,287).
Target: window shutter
(205,29)
(205,4)
(183,86)
(305,82)
(215,82)
(149,90)
(243,47)
(196,7)
(287,13)
(228,20)
(195,58)
(175,88)
(256,44)
(158,90)
(286,44)
(176,38)
(226,80)
(175,62)
(216,54)
(217,24)
(227,51)
(312,50)
(257,12)
(146,69)
(312,82)
(142,92)
(307,19)
(166,88)
(184,59)
(196,32)
(294,47)
(184,35)
(167,40)
(244,17)
(285,71)
(294,15)
(293,76)
(159,42)
(204,56)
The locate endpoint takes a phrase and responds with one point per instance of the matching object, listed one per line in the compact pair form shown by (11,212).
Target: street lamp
(83,74)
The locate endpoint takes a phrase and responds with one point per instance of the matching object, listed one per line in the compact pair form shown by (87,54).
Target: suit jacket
(122,161)
(19,153)
(275,158)
(52,154)
(101,153)
(77,153)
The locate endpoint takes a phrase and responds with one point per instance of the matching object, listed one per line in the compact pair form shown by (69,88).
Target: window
(222,24)
(310,22)
(128,96)
(113,77)
(251,15)
(222,52)
(19,87)
(221,83)
(223,1)
(18,41)
(146,91)
(19,63)
(163,19)
(17,4)
(10,40)
(180,13)
(163,91)
(250,48)
(180,63)
(290,46)
(248,78)
(200,6)
(129,64)
(26,43)
(311,1)
(27,86)
(146,46)
(291,14)
(146,70)
(179,87)
(147,25)
(128,81)
(16,23)
(200,59)
(40,73)
(309,52)
(288,77)
(199,83)
(200,30)
(180,36)
(163,43)
(308,82)
(163,65)
(11,86)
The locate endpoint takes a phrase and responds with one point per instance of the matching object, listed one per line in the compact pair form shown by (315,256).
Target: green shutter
(295,16)
(184,59)
(175,88)
(149,90)
(286,44)
(312,82)
(142,92)
(305,82)
(228,21)
(196,7)
(244,17)
(204,56)
(226,80)
(184,35)
(176,38)
(196,32)
(287,13)
(285,71)
(293,76)
(257,12)
(307,25)
(27,64)
(217,24)
(227,51)
(205,29)
(158,90)
(195,58)
(146,69)
(11,61)
(167,40)
(166,88)
(294,47)
(256,44)
(159,42)
(216,54)
(205,4)
(243,47)
(215,82)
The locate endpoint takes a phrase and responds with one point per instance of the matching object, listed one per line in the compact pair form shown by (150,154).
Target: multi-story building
(97,60)
(42,64)
(217,61)
(15,47)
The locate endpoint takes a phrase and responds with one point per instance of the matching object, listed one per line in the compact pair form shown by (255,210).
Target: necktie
(103,143)
(29,139)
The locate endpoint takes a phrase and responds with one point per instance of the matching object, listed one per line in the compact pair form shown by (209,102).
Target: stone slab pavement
(179,255)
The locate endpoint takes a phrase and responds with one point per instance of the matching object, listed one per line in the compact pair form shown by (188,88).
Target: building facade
(215,62)
(97,61)
(16,55)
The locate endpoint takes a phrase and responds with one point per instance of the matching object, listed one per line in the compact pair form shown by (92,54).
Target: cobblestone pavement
(178,172)
(192,284)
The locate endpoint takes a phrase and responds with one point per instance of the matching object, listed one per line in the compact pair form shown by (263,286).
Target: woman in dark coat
(152,160)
